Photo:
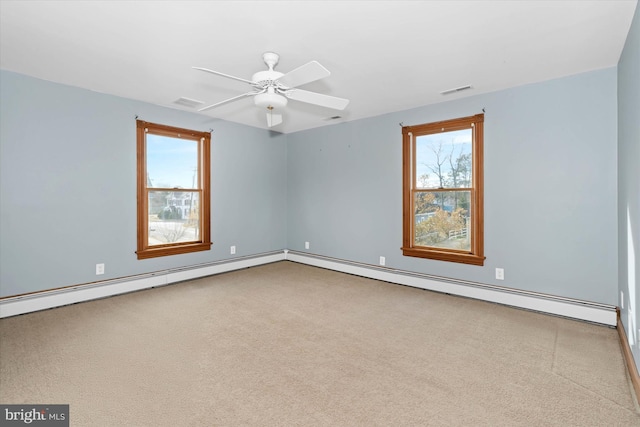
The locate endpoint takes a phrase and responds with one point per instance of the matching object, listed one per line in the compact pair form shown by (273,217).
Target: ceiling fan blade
(317,99)
(273,119)
(228,100)
(307,73)
(223,74)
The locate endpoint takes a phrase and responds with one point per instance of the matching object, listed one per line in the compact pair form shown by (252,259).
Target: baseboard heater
(550,304)
(545,303)
(36,301)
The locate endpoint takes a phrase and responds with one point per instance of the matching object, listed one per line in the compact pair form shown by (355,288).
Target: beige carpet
(291,345)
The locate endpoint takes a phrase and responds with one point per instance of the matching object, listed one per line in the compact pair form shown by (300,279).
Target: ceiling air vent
(454,90)
(188,102)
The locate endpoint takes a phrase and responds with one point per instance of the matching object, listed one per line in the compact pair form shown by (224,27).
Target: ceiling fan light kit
(270,99)
(272,89)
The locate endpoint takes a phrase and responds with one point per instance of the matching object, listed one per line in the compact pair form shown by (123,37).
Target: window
(173,171)
(442,190)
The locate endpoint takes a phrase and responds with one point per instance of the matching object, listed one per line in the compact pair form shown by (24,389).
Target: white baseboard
(550,304)
(567,307)
(22,304)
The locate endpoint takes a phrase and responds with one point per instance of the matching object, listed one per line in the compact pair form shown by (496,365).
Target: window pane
(173,217)
(443,160)
(171,162)
(443,219)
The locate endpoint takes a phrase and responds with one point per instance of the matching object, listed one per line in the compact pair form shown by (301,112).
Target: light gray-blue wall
(68,186)
(550,188)
(629,184)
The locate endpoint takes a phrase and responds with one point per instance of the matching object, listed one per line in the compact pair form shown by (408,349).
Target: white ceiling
(384,56)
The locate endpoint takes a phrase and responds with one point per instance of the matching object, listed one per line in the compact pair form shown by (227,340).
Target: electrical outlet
(306,245)
(500,273)
(233,250)
(99,269)
(382,260)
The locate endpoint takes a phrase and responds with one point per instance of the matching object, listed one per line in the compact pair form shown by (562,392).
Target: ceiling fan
(272,89)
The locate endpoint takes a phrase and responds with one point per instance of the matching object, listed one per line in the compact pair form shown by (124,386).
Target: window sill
(173,250)
(464,258)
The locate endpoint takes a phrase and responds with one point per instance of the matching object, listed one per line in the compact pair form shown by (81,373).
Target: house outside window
(173,190)
(443,190)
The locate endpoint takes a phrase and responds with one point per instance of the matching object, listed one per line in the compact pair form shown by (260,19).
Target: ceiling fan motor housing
(267,80)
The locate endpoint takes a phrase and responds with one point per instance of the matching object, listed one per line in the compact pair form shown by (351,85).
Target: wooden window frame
(204,168)
(475,256)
